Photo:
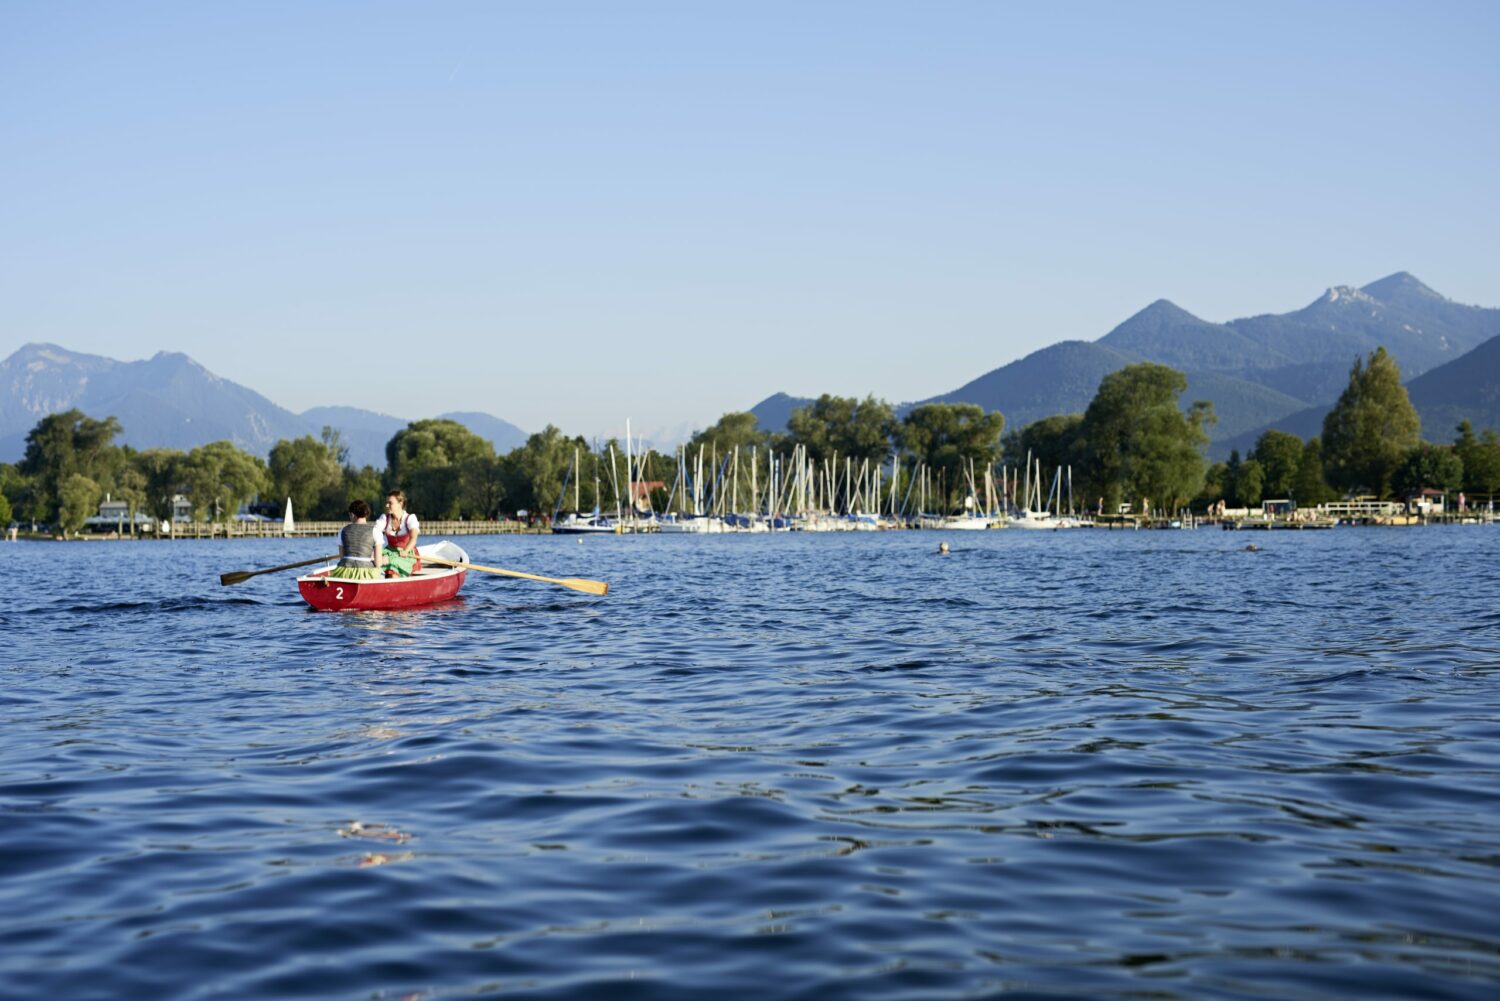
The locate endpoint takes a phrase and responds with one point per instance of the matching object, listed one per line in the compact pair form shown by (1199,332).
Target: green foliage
(307,470)
(735,440)
(219,478)
(16,488)
(365,483)
(1280,457)
(484,486)
(430,444)
(427,458)
(333,440)
(733,430)
(1137,445)
(1371,428)
(539,468)
(5,512)
(61,445)
(1310,488)
(947,437)
(161,469)
(78,497)
(1214,487)
(130,487)
(1429,466)
(1481,459)
(843,427)
(1249,484)
(1053,440)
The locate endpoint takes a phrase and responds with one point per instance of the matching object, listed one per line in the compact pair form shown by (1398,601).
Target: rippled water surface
(1092,764)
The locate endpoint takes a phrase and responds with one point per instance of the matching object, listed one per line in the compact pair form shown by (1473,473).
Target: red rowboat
(433,584)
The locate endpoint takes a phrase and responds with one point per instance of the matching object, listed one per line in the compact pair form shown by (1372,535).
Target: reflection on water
(1089,764)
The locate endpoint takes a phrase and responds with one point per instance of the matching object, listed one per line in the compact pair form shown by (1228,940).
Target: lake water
(1091,764)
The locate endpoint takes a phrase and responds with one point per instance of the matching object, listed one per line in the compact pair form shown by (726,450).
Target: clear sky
(580,212)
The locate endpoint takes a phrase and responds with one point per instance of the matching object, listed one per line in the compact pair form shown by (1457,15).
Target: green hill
(1059,379)
(1165,332)
(1465,389)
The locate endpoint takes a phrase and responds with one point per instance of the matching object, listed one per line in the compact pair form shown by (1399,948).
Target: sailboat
(1040,517)
(698,522)
(575,523)
(972,519)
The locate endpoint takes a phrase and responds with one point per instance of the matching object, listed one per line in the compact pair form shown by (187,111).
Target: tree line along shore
(1133,445)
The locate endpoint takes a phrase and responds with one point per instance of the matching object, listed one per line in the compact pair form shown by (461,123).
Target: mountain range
(1272,370)
(171,401)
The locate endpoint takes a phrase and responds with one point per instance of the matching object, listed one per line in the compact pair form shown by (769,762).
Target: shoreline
(331,529)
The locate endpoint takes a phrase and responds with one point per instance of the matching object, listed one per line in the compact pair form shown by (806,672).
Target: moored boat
(595,524)
(432,584)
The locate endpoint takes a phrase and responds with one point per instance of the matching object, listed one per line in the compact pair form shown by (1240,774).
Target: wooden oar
(235,576)
(576,583)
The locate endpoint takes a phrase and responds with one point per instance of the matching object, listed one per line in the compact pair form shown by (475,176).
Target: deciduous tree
(948,437)
(1310,488)
(161,468)
(307,470)
(220,477)
(1052,440)
(1428,466)
(78,497)
(1280,456)
(426,459)
(844,427)
(1249,484)
(1481,459)
(1137,443)
(541,465)
(59,446)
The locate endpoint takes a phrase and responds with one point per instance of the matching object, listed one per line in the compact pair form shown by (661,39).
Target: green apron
(401,564)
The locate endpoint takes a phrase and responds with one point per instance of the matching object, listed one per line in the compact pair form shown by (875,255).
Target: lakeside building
(114,516)
(1427,502)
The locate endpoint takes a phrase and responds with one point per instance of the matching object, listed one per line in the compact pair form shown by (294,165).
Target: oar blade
(235,576)
(585,585)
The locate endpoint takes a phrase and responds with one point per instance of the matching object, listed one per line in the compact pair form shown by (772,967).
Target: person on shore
(398,529)
(360,552)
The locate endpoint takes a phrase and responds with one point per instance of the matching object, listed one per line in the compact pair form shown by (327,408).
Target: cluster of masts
(743,490)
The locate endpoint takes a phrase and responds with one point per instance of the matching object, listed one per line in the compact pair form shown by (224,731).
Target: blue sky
(580,212)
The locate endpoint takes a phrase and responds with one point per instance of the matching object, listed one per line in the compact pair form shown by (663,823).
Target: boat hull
(335,594)
(585,530)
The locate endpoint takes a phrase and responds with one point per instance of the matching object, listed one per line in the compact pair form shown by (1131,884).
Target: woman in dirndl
(361,554)
(398,530)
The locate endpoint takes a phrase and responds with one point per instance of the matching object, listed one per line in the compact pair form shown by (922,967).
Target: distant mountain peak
(1401,285)
(1164,311)
(1346,293)
(1163,318)
(176,358)
(37,354)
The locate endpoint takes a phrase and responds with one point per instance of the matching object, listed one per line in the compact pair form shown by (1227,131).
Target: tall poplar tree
(1371,428)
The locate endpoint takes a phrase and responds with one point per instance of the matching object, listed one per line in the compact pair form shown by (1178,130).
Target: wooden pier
(1276,524)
